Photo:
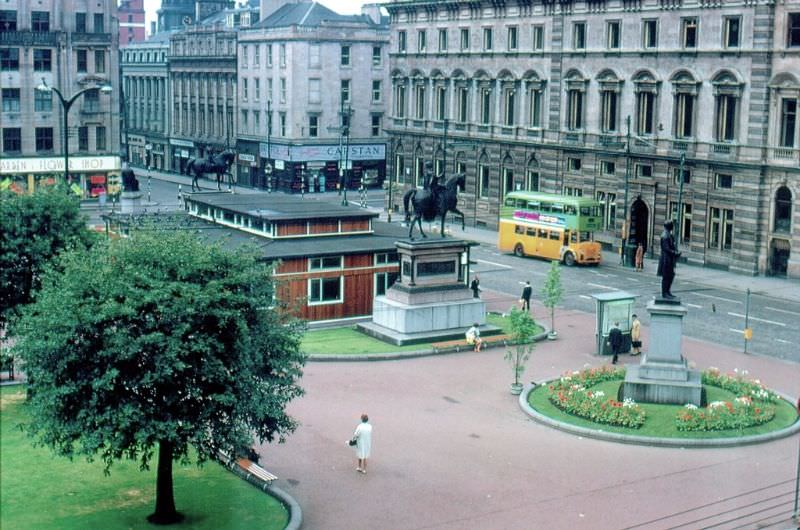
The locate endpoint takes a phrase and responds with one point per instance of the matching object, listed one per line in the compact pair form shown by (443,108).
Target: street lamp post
(625,226)
(269,166)
(66,104)
(680,200)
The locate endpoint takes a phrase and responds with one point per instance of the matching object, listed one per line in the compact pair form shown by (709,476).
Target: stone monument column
(663,375)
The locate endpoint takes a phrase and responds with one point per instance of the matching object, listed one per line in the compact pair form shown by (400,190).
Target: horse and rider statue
(217,164)
(434,200)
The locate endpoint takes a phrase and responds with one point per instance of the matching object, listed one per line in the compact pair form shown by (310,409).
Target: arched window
(783,210)
(727,91)
(507,180)
(532,175)
(483,176)
(535,94)
(646,87)
(576,94)
(610,88)
(685,88)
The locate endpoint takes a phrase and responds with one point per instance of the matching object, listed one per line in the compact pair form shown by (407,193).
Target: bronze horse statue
(218,164)
(434,201)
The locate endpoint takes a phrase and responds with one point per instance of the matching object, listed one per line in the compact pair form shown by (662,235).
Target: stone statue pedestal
(130,201)
(430,300)
(663,375)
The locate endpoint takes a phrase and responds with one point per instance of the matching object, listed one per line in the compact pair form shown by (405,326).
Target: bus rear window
(519,229)
(556,208)
(510,202)
(545,207)
(543,233)
(533,205)
(531,232)
(555,236)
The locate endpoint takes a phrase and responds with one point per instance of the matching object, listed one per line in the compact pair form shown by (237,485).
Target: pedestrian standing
(636,335)
(527,291)
(615,341)
(639,259)
(476,287)
(363,438)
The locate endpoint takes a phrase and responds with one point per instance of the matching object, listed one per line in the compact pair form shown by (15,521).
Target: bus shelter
(616,306)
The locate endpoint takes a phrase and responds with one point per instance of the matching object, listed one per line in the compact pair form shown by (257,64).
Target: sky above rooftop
(343,7)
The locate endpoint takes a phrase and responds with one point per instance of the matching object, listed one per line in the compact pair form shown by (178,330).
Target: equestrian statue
(433,200)
(218,164)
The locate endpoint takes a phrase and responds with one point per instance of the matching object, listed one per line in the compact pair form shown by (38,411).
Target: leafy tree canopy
(33,229)
(158,339)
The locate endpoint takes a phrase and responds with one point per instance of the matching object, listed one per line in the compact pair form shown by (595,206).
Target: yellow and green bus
(556,227)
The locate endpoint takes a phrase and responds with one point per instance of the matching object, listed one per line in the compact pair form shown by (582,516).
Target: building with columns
(657,108)
(202,77)
(73,47)
(147,101)
(312,92)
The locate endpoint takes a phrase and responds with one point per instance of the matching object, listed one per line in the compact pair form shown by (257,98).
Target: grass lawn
(39,490)
(660,419)
(348,341)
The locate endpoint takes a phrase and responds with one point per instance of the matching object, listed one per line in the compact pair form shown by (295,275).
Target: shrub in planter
(737,383)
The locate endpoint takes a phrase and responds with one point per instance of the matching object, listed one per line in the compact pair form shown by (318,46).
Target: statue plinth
(130,201)
(430,300)
(663,375)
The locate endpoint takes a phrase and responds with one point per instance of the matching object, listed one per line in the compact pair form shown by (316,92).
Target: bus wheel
(569,259)
(518,250)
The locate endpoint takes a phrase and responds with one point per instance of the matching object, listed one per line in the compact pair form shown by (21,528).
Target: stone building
(71,46)
(312,93)
(131,21)
(146,97)
(202,78)
(657,108)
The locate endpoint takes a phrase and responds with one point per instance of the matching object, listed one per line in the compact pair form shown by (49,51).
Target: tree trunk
(165,501)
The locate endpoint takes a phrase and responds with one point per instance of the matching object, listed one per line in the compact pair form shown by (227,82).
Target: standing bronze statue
(667,261)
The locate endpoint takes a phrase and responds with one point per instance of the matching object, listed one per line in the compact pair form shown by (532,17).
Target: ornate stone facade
(612,99)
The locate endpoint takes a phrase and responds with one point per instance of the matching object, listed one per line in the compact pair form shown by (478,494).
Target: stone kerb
(696,443)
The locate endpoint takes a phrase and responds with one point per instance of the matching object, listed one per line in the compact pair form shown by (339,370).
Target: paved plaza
(453,450)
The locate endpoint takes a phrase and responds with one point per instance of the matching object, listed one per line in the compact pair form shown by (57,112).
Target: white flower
(716,404)
(599,394)
(575,372)
(628,402)
(691,406)
(744,400)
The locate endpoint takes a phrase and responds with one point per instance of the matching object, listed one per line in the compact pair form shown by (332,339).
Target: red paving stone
(453,450)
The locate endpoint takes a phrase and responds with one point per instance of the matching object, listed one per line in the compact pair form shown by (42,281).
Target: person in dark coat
(667,260)
(476,287)
(527,291)
(615,341)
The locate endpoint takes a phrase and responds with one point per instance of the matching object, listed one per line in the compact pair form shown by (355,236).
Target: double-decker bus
(556,227)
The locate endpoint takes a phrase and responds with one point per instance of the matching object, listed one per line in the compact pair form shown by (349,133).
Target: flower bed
(572,393)
(737,384)
(753,405)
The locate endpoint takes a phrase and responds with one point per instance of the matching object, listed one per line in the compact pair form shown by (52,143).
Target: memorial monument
(663,375)
(430,300)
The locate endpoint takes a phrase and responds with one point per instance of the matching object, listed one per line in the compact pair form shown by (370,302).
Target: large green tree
(160,340)
(33,229)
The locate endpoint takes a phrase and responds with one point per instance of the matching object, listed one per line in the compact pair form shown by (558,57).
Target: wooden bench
(248,469)
(458,344)
(255,470)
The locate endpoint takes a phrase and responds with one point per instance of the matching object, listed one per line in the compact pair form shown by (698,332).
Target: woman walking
(363,438)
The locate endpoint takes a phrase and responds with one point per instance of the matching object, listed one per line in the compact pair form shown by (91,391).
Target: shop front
(248,170)
(91,176)
(181,152)
(310,168)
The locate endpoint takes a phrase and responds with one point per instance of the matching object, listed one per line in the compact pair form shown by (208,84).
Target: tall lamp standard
(66,104)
